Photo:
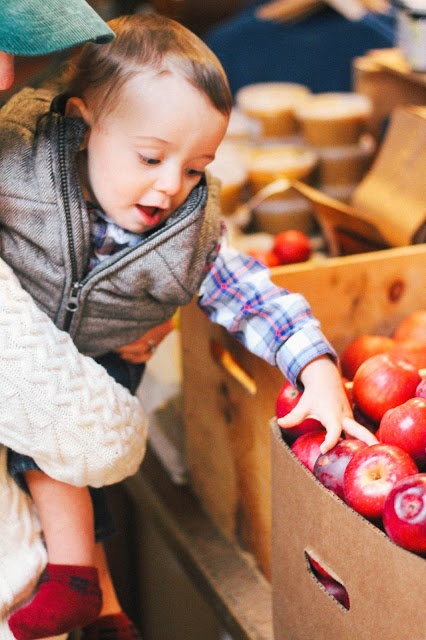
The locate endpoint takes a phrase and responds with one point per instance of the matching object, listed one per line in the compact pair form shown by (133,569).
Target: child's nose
(169,182)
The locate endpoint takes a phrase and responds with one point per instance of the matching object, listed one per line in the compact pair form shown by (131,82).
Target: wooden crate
(229,394)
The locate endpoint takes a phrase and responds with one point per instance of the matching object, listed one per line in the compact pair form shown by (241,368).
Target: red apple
(333,586)
(292,246)
(371,474)
(412,350)
(412,327)
(317,568)
(329,468)
(421,389)
(383,382)
(265,256)
(404,513)
(405,426)
(287,399)
(307,448)
(335,589)
(362,348)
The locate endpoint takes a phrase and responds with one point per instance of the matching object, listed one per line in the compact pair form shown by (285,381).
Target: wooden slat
(221,572)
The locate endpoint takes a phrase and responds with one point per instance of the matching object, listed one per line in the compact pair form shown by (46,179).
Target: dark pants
(127,374)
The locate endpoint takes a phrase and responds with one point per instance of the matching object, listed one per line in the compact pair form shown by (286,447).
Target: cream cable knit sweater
(63,409)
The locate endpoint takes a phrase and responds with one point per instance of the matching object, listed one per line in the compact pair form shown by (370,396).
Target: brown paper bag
(344,230)
(392,195)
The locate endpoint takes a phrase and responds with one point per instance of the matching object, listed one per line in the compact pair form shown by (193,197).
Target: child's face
(146,154)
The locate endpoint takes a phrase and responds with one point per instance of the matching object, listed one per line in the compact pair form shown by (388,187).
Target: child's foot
(112,627)
(68,597)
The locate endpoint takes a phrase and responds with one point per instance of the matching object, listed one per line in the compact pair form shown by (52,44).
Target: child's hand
(143,348)
(325,399)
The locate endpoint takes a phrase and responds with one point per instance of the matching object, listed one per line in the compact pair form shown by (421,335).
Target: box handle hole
(226,360)
(328,582)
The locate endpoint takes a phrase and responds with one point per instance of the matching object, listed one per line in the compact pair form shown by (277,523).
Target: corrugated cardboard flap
(344,228)
(393,193)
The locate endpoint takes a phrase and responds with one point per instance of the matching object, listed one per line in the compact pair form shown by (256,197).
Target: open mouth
(151,216)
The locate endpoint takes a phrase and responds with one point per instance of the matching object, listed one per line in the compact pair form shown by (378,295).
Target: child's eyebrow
(149,139)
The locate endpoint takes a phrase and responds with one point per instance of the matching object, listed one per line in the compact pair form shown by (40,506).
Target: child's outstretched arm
(324,398)
(279,326)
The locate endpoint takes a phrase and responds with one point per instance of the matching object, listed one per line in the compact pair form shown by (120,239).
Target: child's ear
(77,108)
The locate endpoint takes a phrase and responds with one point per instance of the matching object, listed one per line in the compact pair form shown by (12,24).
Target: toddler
(110,219)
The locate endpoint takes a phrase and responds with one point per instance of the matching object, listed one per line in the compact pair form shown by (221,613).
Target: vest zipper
(73,298)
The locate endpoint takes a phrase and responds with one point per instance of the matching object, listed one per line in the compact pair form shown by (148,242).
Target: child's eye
(194,172)
(150,161)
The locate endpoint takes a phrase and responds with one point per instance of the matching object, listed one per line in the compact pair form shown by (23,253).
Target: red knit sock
(68,597)
(116,626)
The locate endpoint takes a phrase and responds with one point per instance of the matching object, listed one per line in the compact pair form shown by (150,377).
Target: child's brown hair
(147,41)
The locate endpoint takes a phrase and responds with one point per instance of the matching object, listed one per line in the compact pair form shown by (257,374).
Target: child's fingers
(356,430)
(332,436)
(293,418)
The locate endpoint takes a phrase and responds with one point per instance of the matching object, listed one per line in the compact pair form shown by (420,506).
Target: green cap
(36,27)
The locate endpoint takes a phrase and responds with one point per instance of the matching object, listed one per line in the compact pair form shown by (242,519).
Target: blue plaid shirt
(106,237)
(238,294)
(271,322)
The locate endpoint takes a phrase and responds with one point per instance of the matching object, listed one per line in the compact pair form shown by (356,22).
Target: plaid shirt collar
(106,237)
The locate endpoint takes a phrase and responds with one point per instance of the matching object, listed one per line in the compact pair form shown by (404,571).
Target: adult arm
(59,406)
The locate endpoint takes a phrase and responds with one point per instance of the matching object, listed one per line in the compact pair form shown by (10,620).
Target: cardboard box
(229,394)
(385,583)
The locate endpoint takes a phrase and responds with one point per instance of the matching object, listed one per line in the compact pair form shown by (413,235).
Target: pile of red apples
(385,378)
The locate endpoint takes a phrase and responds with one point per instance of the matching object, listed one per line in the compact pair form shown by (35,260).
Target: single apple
(405,426)
(335,589)
(404,513)
(307,448)
(383,382)
(287,399)
(412,327)
(412,350)
(316,567)
(362,348)
(370,475)
(265,256)
(421,389)
(292,246)
(329,468)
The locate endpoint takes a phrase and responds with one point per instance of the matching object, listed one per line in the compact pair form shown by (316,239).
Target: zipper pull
(72,304)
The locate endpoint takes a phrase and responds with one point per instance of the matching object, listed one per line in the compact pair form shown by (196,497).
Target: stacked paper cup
(273,106)
(283,130)
(335,125)
(286,210)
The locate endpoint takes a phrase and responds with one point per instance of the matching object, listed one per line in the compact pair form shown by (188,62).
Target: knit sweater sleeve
(59,406)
